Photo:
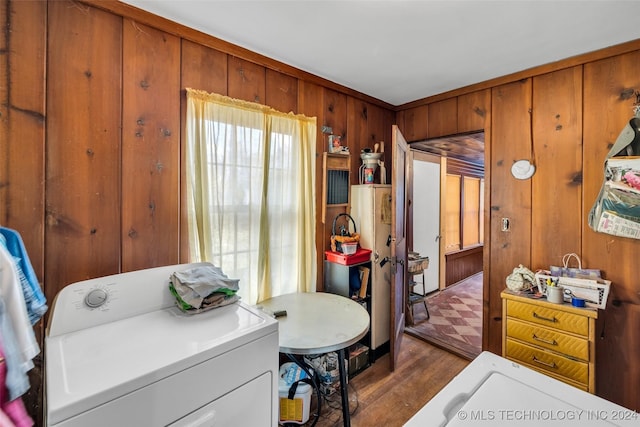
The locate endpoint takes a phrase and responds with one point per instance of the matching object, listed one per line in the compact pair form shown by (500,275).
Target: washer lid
(493,391)
(89,367)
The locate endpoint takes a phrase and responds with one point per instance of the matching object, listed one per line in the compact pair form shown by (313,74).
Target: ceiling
(400,51)
(464,146)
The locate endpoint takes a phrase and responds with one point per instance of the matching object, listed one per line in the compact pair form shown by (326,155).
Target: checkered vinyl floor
(455,317)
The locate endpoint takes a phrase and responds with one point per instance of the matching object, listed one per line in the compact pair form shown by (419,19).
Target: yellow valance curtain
(251,193)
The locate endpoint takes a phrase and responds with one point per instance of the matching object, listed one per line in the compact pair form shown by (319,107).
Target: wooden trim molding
(191,34)
(596,55)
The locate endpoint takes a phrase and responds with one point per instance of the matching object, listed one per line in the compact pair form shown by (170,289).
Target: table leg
(314,379)
(346,418)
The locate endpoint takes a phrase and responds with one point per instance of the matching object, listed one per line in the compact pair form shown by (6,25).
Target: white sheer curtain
(251,194)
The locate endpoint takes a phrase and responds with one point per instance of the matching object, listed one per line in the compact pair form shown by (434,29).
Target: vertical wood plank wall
(557,124)
(82,147)
(511,139)
(92,130)
(608,87)
(115,105)
(565,119)
(92,125)
(150,147)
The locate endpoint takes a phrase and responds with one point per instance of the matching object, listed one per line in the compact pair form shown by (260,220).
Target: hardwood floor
(455,321)
(379,397)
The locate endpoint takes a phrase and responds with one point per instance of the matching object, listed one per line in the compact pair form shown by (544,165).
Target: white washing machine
(493,391)
(119,352)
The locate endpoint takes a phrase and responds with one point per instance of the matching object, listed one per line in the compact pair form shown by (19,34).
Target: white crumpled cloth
(196,284)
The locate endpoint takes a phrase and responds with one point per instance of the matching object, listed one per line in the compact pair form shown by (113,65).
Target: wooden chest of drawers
(555,339)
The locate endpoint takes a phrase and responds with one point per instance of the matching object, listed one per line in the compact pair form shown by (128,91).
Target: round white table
(317,323)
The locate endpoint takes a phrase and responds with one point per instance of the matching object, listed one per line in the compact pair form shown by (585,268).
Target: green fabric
(183,305)
(186,306)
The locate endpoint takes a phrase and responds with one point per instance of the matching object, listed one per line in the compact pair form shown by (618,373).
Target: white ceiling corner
(399,51)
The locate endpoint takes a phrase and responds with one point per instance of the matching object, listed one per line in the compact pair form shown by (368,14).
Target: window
(471,213)
(251,194)
(452,218)
(464,227)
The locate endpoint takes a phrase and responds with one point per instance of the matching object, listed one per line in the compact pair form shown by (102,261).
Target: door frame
(423,156)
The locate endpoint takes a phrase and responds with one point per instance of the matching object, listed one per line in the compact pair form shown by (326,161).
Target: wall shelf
(335,181)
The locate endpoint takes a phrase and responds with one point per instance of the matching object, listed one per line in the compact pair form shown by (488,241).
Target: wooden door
(398,242)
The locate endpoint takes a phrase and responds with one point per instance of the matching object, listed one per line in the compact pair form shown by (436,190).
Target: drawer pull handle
(550,342)
(550,365)
(537,316)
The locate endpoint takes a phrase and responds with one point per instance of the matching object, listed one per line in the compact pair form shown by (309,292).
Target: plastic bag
(616,210)
(521,279)
(574,272)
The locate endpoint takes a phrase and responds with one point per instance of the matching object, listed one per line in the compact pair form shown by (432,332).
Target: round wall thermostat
(523,169)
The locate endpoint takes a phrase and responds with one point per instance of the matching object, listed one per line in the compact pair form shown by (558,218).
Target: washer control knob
(95,298)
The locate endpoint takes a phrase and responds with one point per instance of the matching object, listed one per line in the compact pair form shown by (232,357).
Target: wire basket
(344,236)
(594,292)
(418,265)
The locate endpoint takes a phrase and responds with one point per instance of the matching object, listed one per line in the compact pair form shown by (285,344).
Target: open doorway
(446,224)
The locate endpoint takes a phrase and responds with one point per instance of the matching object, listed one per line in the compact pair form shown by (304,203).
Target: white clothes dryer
(119,352)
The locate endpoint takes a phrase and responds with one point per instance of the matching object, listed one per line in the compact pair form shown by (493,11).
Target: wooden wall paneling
(23,126)
(310,103)
(596,55)
(510,198)
(150,147)
(399,120)
(473,110)
(443,118)
(358,125)
(462,264)
(609,85)
(246,80)
(335,117)
(196,36)
(378,127)
(487,309)
(416,123)
(5,123)
(378,130)
(22,142)
(335,114)
(24,93)
(281,92)
(388,120)
(202,68)
(557,183)
(83,144)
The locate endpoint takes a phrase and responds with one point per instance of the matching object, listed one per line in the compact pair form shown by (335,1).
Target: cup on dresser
(555,294)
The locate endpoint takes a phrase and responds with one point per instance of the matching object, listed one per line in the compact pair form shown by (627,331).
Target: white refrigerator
(371,211)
